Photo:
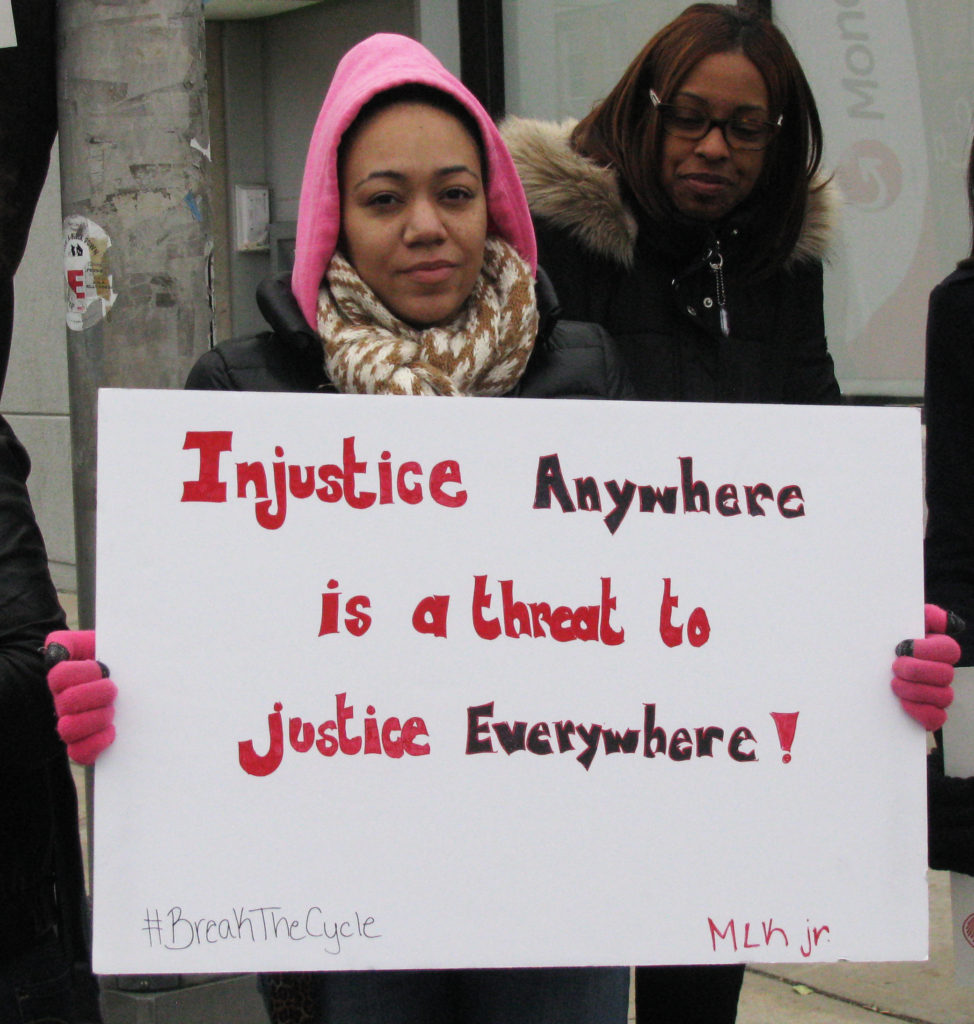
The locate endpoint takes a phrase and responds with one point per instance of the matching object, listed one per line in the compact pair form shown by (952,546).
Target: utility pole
(134,143)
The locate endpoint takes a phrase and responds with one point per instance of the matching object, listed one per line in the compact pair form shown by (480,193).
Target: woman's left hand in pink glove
(924,669)
(84,696)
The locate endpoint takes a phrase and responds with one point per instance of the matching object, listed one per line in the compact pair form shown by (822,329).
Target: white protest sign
(423,683)
(959,761)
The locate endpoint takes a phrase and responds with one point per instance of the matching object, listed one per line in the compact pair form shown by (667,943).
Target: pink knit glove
(84,696)
(924,669)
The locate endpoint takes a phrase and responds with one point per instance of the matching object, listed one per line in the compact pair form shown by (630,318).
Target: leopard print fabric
(483,350)
(291,998)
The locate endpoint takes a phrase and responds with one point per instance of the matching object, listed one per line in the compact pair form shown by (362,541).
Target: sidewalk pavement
(847,993)
(918,993)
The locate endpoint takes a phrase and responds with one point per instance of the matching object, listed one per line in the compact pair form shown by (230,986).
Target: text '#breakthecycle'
(177,928)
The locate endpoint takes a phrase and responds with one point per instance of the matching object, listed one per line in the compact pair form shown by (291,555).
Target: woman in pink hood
(415,267)
(415,273)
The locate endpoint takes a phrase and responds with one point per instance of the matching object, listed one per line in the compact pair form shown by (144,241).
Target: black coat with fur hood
(662,306)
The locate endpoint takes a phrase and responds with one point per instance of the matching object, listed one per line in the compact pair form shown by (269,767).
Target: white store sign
(414,683)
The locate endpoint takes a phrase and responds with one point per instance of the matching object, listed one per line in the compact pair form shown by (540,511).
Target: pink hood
(383,62)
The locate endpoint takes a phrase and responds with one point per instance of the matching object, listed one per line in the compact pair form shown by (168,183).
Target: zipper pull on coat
(715,259)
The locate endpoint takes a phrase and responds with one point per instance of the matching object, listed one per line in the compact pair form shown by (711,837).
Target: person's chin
(704,210)
(705,204)
(428,314)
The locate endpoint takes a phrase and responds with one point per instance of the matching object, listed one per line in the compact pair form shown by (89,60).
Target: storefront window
(560,56)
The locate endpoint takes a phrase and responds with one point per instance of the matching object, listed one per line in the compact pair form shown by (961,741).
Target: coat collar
(577,195)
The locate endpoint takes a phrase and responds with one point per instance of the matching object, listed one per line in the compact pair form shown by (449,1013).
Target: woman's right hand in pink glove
(84,696)
(924,669)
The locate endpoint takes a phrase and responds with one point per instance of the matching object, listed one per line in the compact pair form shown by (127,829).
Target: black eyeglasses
(689,122)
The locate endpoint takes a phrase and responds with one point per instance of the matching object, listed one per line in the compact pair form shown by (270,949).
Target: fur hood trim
(585,199)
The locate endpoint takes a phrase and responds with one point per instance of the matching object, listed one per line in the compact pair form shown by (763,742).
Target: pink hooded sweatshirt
(383,62)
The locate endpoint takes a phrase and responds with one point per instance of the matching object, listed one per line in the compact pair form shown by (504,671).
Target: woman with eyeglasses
(686,214)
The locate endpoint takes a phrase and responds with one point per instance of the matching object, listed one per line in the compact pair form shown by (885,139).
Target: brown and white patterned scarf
(482,351)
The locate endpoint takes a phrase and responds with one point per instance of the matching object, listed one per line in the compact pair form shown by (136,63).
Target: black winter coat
(949,404)
(664,309)
(29,610)
(949,543)
(569,360)
(41,874)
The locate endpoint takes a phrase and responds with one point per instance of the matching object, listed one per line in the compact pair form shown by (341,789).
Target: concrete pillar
(134,148)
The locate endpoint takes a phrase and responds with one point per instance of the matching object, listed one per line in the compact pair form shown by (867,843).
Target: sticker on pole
(87,281)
